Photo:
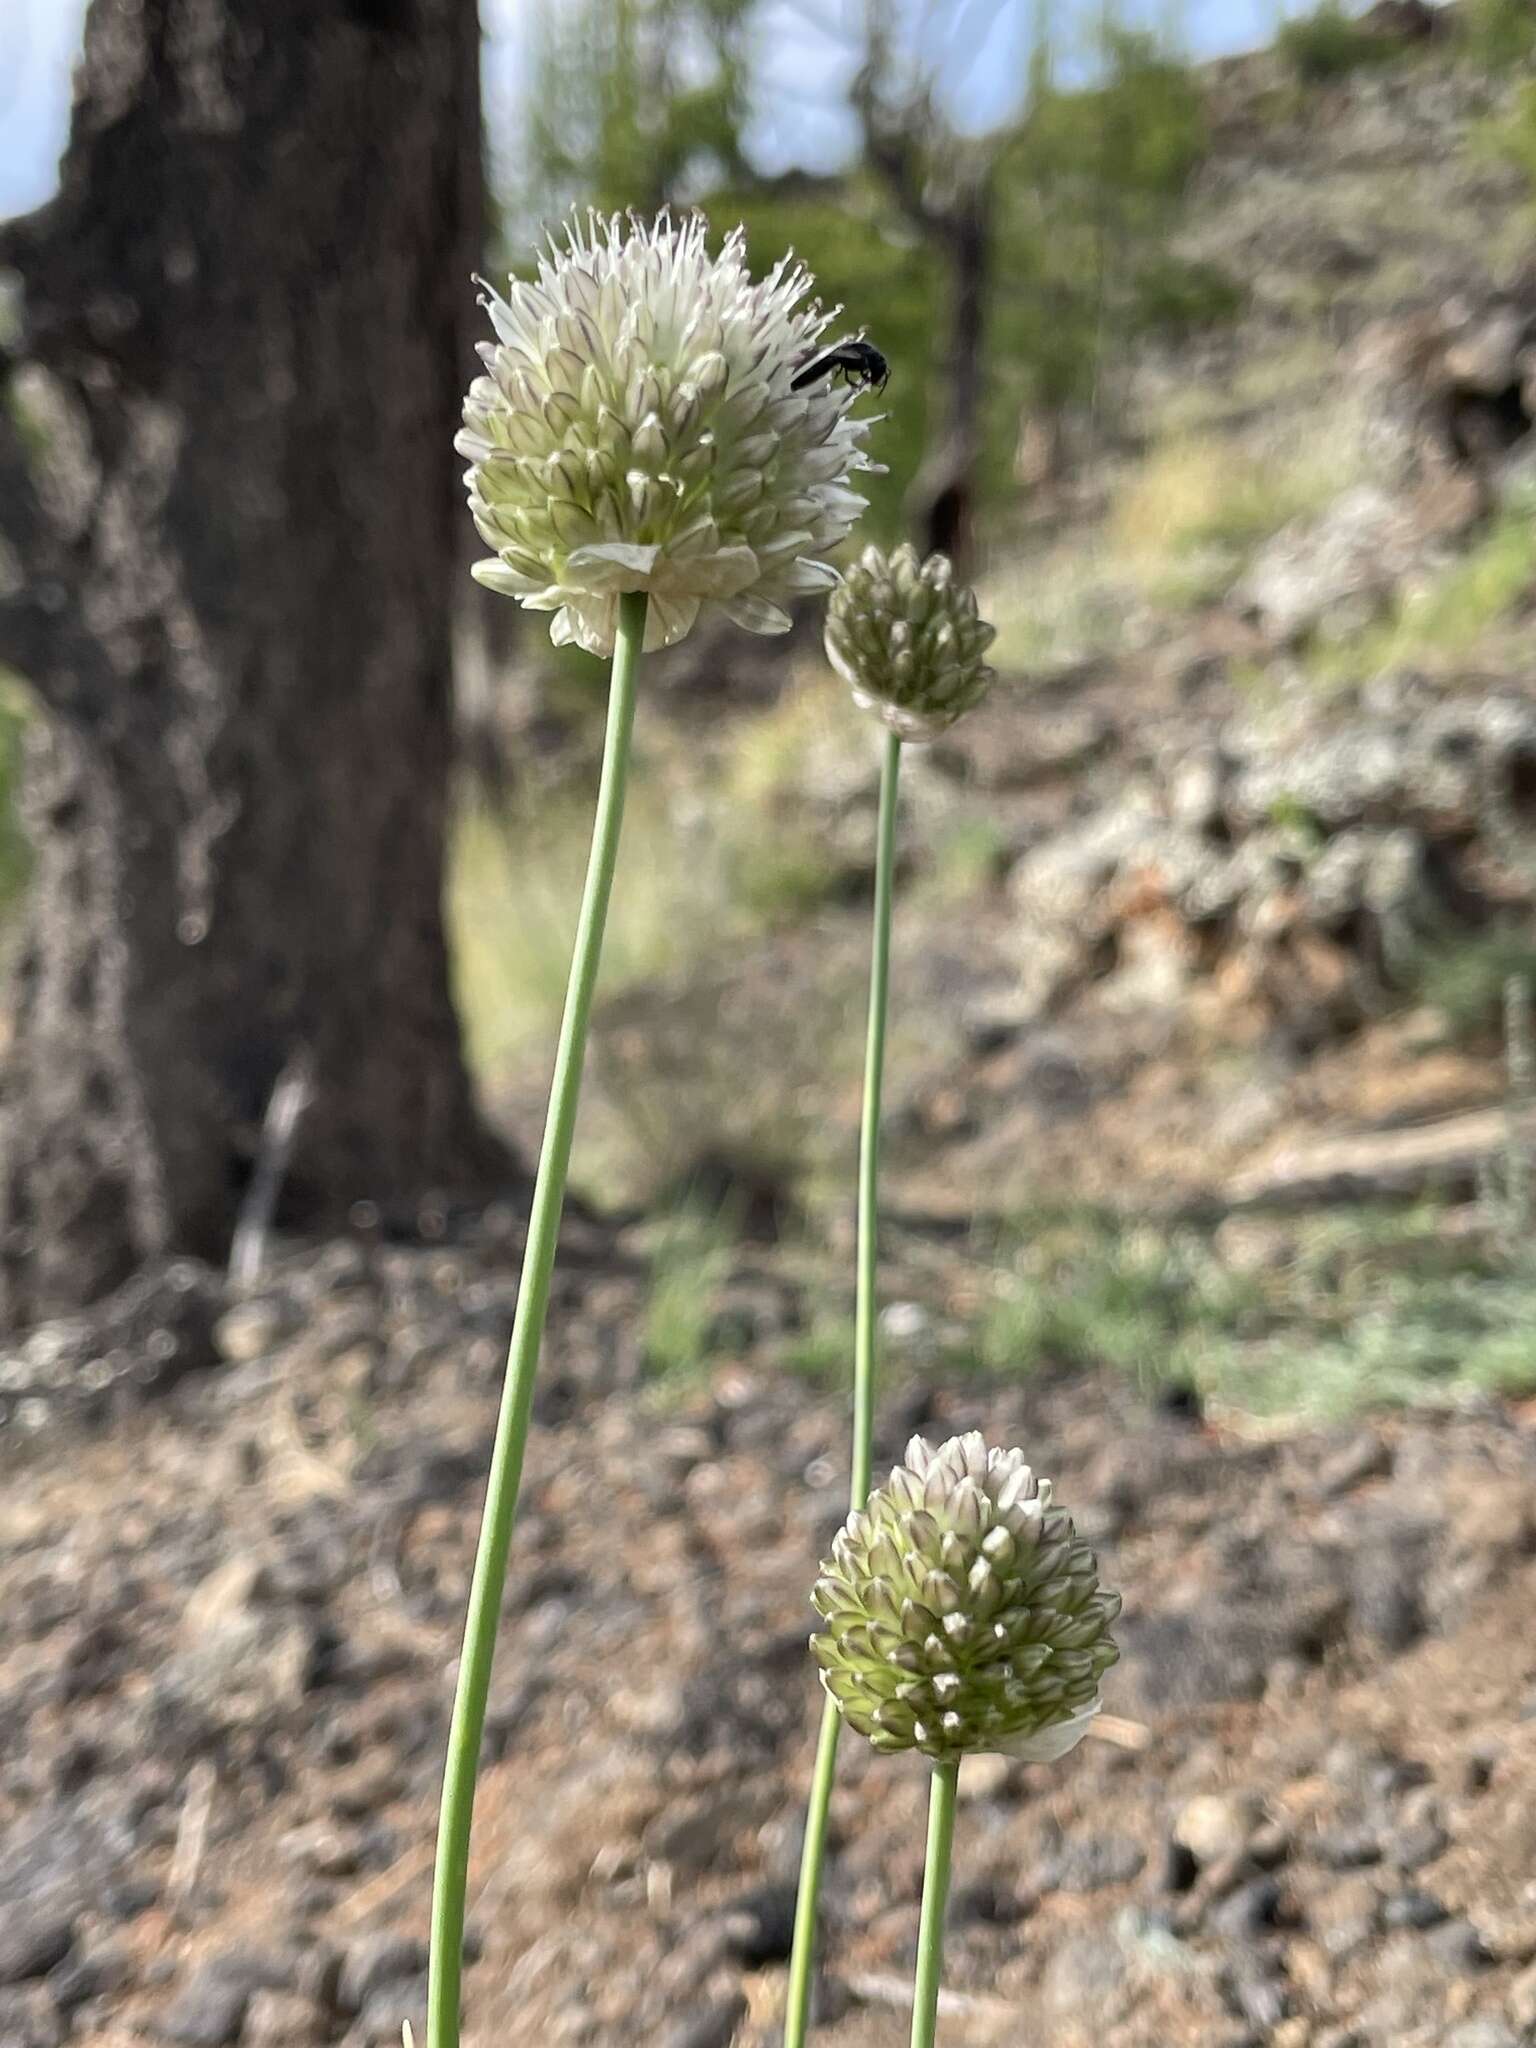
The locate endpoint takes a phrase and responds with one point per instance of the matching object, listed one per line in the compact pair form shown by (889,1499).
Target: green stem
(930,1933)
(802,1954)
(865,1314)
(797,2009)
(468,1724)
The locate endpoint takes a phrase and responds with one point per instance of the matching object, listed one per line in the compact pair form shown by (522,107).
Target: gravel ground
(231,1623)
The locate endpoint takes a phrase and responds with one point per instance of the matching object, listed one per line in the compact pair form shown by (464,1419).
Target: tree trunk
(229,529)
(940,500)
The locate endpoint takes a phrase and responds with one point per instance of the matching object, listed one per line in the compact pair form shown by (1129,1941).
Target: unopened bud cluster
(907,639)
(962,1611)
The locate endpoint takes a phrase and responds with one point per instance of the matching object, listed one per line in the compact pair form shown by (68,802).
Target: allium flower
(962,1613)
(635,430)
(907,638)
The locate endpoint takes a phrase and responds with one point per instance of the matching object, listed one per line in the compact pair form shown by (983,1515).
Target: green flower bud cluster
(636,430)
(962,1612)
(907,639)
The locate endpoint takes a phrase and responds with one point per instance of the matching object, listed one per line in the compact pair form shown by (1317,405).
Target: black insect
(855,360)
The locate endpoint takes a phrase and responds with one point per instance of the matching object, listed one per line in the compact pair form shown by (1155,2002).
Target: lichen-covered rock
(1339,569)
(1310,865)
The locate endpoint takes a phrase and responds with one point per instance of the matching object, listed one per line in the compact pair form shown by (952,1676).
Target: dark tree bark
(951,208)
(941,498)
(229,532)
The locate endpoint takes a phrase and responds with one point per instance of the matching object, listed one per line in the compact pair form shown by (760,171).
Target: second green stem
(930,1933)
(802,1960)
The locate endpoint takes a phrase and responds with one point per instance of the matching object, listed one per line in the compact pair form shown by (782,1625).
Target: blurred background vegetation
(1116,289)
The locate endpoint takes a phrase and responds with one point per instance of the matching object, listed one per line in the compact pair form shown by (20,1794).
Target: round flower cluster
(962,1612)
(635,430)
(908,640)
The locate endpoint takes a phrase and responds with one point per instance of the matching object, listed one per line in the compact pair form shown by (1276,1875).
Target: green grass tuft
(690,1266)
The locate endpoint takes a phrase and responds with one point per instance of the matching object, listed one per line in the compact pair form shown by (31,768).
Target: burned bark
(229,530)
(952,211)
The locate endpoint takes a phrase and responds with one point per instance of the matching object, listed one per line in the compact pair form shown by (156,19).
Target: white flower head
(635,429)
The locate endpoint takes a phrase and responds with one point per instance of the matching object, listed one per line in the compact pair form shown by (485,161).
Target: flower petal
(805,576)
(668,620)
(613,565)
(1046,1745)
(756,613)
(719,575)
(504,581)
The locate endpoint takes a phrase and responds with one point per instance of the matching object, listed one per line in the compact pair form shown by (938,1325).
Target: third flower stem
(808,1903)
(930,1934)
(451,1876)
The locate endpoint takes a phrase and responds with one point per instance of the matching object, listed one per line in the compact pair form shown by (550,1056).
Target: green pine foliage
(642,103)
(1328,43)
(1090,187)
(1497,33)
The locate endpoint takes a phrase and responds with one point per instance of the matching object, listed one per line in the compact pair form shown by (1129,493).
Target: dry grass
(1218,492)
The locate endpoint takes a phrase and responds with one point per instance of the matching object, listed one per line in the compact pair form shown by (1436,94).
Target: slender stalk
(797,2009)
(869,1134)
(468,1723)
(930,1933)
(802,1954)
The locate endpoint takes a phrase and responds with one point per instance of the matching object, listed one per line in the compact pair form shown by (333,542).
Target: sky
(980,44)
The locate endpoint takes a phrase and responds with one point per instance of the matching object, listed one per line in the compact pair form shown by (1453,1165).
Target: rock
(325,1850)
(1364,1457)
(208,2012)
(1090,1863)
(1485,2033)
(373,1960)
(1386,1578)
(1339,566)
(252,1329)
(1307,874)
(1216,1825)
(1522,1998)
(28,2018)
(1269,1844)
(985,1902)
(658,1712)
(1347,1848)
(1258,1995)
(695,1835)
(1083,1979)
(1486,357)
(1413,1909)
(1176,1660)
(156,1328)
(984,1778)
(713,2027)
(1350,1923)
(317,1976)
(282,2019)
(33,1938)
(1250,1910)
(390,2007)
(246,1660)
(88,1973)
(1458,1947)
(1411,1848)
